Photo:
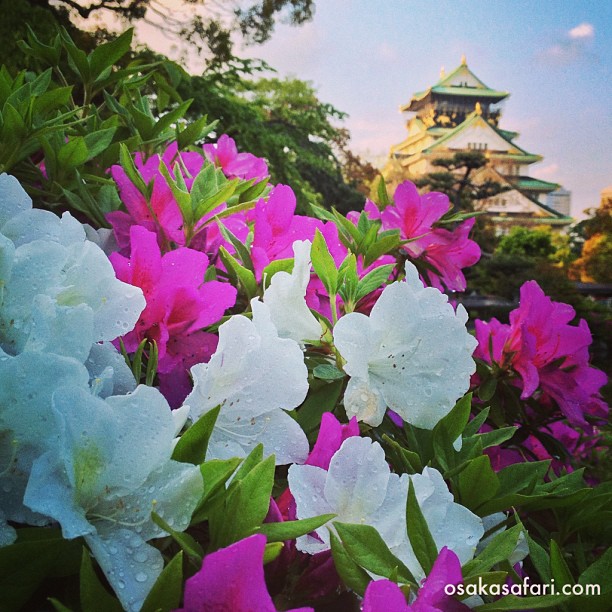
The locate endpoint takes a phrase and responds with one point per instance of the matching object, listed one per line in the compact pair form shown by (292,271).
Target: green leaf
(58,606)
(323,263)
(194,131)
(381,190)
(353,576)
(98,142)
(104,56)
(37,554)
(192,445)
(289,530)
(245,506)
(367,548)
(166,121)
(403,460)
(472,428)
(373,280)
(77,59)
(477,483)
(278,265)
(487,389)
(272,551)
(241,249)
(452,425)
(187,543)
(558,566)
(180,193)
(252,459)
(540,559)
(423,545)
(127,163)
(239,273)
(167,590)
(496,436)
(327,371)
(94,596)
(522,477)
(320,399)
(215,473)
(497,550)
(384,244)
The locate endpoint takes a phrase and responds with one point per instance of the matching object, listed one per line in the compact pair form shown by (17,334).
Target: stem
(334,308)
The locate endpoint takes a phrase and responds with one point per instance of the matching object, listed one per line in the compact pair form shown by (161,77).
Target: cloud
(573,46)
(584,30)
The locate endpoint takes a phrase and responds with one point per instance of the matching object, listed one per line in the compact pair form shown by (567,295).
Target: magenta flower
(384,595)
(414,216)
(276,228)
(161,214)
(179,304)
(547,353)
(332,434)
(232,579)
(235,165)
(578,446)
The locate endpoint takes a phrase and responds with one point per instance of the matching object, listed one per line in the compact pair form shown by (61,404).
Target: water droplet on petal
(141,577)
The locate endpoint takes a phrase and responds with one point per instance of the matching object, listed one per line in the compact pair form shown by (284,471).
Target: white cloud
(572,46)
(584,30)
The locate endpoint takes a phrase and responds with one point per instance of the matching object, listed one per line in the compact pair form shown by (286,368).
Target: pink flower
(232,579)
(276,228)
(447,251)
(241,165)
(161,214)
(547,353)
(384,595)
(331,436)
(179,303)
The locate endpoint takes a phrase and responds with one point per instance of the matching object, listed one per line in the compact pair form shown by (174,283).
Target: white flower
(413,354)
(360,488)
(107,471)
(58,291)
(27,426)
(254,375)
(285,297)
(450,524)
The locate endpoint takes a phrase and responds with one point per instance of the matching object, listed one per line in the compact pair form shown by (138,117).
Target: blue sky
(554,57)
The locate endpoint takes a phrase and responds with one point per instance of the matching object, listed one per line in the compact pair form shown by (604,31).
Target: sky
(554,57)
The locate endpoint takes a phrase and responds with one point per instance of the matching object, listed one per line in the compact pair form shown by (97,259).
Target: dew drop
(141,577)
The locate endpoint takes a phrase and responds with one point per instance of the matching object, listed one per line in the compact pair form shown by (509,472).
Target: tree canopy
(201,24)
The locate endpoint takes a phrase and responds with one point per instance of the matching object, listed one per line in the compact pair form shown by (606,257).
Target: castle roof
(460,82)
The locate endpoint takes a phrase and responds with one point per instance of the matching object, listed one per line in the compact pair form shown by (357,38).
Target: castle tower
(461,113)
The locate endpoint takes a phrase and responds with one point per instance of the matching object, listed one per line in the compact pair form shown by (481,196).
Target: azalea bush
(217,403)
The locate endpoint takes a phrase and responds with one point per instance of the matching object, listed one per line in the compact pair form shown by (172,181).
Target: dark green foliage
(456,179)
(283,121)
(526,242)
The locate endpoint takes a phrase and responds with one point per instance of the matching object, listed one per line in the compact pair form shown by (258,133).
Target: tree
(595,261)
(524,242)
(456,180)
(283,121)
(207,29)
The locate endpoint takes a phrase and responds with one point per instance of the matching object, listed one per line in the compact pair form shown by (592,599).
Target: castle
(460,113)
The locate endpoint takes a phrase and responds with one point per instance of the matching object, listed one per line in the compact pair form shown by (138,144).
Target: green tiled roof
(472,118)
(533,184)
(475,92)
